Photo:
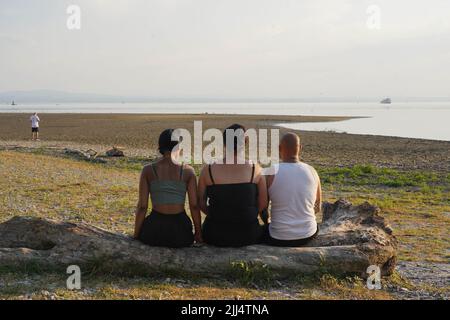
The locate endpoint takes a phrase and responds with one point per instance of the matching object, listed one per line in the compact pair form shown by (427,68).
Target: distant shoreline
(272,120)
(141,131)
(396,120)
(272,117)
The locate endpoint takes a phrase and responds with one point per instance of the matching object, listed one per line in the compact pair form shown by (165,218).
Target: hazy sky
(228,48)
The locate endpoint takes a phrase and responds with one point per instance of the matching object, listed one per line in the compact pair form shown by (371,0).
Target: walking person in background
(35,126)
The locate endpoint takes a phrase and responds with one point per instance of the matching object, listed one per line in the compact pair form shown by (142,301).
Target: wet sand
(141,131)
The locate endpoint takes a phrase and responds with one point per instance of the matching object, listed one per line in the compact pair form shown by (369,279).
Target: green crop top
(167,191)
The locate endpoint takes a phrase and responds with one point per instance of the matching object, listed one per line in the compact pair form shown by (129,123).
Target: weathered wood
(115,152)
(350,239)
(88,155)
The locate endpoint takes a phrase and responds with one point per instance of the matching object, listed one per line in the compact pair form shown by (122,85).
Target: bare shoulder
(147,172)
(204,170)
(258,168)
(152,163)
(188,167)
(188,170)
(147,169)
(258,173)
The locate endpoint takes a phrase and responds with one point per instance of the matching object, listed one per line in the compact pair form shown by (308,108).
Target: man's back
(293,194)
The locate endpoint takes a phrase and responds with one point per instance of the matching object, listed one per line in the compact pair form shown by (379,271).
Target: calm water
(428,120)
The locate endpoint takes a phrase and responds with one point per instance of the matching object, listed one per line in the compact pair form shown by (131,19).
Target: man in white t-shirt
(295,194)
(35,127)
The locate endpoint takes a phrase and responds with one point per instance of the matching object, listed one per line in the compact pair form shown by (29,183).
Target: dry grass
(105,196)
(52,286)
(37,185)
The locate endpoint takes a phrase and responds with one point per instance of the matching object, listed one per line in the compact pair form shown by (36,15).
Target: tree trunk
(350,239)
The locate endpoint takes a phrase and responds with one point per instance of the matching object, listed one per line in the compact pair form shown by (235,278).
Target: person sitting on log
(295,194)
(167,183)
(232,193)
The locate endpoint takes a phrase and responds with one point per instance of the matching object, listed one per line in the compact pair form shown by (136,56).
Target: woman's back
(166,182)
(167,225)
(231,173)
(232,196)
(167,186)
(167,169)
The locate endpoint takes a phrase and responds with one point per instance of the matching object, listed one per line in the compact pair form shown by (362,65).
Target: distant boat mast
(13,103)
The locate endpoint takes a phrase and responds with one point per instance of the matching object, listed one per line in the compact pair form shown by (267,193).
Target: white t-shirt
(35,121)
(293,194)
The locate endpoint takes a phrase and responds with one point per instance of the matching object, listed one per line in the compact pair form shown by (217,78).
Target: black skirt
(167,230)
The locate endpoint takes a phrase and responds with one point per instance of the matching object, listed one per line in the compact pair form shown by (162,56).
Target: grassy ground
(416,202)
(407,178)
(52,286)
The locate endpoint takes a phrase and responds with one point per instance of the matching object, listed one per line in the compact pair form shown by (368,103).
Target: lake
(427,120)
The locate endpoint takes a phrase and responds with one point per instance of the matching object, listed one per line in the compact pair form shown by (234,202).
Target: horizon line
(58,96)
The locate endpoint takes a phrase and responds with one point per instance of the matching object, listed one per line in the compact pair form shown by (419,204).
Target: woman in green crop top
(166,183)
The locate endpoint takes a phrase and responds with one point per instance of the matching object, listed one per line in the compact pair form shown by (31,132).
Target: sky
(228,48)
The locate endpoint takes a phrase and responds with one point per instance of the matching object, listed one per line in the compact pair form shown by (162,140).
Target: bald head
(290,147)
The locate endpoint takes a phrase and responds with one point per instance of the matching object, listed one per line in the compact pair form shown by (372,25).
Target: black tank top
(234,202)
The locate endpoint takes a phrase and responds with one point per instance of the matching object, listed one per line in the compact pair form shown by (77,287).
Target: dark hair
(165,142)
(234,128)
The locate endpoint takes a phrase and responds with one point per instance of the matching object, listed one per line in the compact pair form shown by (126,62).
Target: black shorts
(34,129)
(167,230)
(288,243)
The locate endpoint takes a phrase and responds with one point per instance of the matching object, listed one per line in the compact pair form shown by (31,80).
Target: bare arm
(142,205)
(262,192)
(193,204)
(269,180)
(318,204)
(201,198)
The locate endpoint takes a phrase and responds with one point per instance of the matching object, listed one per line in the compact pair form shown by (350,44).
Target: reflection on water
(428,120)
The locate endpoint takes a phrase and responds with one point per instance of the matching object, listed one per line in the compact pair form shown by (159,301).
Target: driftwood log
(350,239)
(115,152)
(88,155)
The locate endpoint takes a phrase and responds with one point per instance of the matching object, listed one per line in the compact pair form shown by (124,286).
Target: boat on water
(13,103)
(386,101)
